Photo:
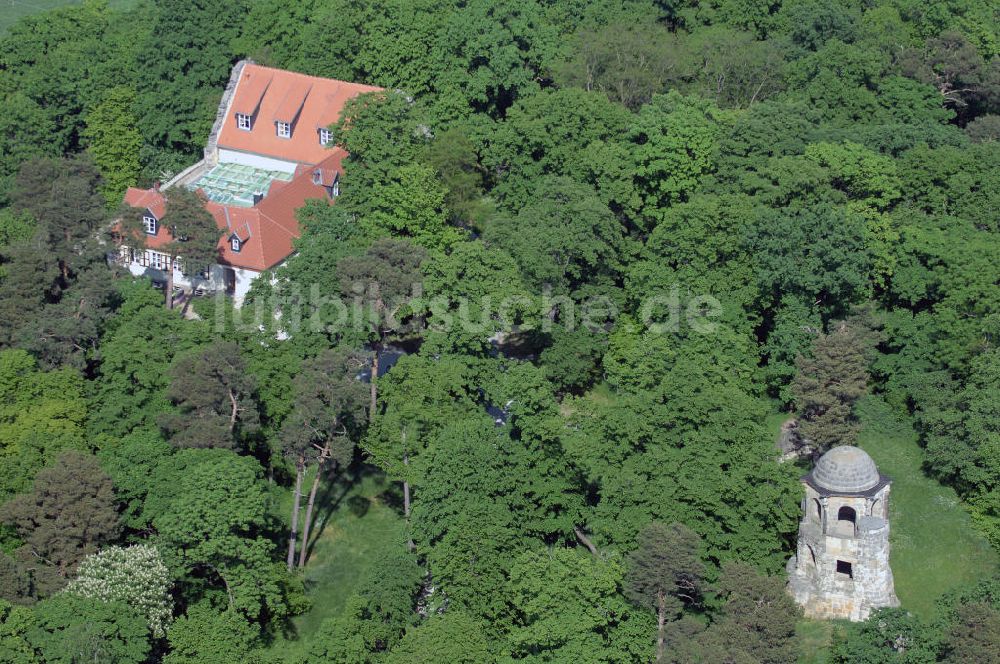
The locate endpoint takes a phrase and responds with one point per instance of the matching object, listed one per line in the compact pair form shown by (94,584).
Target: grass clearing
(935,547)
(354,521)
(814,639)
(773,422)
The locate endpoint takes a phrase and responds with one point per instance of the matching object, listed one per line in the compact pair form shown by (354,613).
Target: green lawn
(774,421)
(11,10)
(934,545)
(353,523)
(814,638)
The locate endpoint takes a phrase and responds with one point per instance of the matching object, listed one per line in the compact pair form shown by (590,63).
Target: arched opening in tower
(847,515)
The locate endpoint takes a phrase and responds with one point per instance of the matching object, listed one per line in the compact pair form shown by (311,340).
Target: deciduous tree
(70,628)
(178,97)
(210,511)
(553,595)
(134,576)
(421,395)
(114,142)
(411,204)
(136,354)
(581,242)
(376,615)
(205,635)
(450,637)
(42,413)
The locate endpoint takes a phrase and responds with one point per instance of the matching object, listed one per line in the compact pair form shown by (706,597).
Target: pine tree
(329,404)
(828,384)
(71,511)
(974,637)
(63,196)
(664,573)
(386,273)
(214,396)
(194,235)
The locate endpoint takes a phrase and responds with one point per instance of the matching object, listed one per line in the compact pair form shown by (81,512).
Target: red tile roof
(310,102)
(291,105)
(253,90)
(149,199)
(266,230)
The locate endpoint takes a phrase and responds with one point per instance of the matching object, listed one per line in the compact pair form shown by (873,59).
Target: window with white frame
(325,136)
(156,260)
(335,187)
(284,129)
(243,122)
(235,243)
(149,224)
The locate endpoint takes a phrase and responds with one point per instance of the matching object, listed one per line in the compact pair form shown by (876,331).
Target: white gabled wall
(244,279)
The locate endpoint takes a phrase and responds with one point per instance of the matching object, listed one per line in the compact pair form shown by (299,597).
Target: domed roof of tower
(846,469)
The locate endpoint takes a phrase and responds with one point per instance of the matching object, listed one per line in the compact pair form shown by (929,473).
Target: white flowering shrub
(135,575)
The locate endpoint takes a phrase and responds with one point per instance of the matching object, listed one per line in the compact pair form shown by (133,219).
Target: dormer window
(325,136)
(284,129)
(333,190)
(243,122)
(149,224)
(235,243)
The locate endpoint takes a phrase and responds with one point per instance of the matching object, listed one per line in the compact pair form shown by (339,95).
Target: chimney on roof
(258,196)
(156,186)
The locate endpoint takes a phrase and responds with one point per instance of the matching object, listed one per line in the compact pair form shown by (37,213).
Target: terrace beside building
(269,152)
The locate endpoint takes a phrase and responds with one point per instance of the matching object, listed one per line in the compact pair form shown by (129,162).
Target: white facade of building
(235,281)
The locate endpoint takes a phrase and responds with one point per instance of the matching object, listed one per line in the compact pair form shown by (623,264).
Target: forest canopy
(601,248)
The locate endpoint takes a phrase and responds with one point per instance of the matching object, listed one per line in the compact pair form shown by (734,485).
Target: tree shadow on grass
(392,496)
(332,493)
(359,506)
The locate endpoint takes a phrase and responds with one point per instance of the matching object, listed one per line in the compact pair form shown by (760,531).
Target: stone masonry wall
(818,587)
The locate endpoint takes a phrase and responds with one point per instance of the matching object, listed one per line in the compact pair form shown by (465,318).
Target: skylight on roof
(236,184)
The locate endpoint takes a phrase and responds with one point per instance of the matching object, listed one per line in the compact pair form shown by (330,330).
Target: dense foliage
(608,238)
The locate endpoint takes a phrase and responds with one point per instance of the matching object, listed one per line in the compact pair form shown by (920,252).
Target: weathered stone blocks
(841,567)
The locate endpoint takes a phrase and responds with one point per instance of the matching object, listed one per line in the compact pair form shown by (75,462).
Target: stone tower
(841,568)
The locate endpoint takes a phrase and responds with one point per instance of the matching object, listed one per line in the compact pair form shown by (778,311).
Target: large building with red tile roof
(282,116)
(269,152)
